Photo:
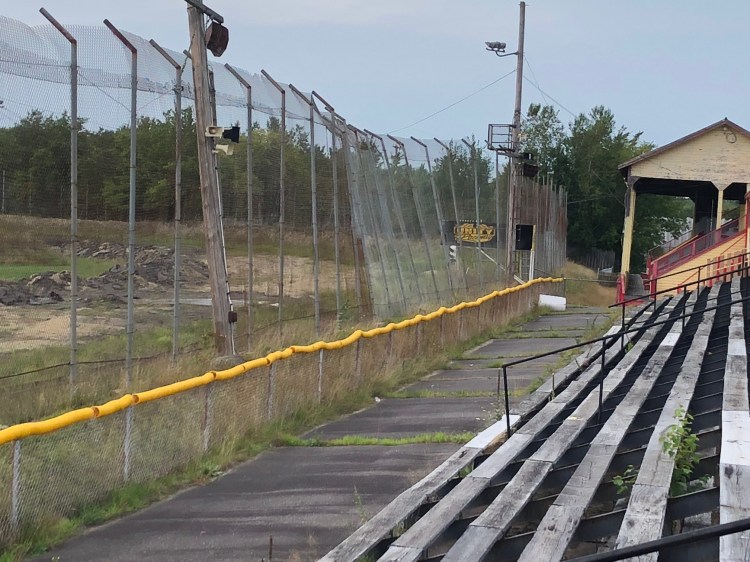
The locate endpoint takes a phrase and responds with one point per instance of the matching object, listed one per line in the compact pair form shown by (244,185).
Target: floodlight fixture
(495,46)
(217,38)
(498,47)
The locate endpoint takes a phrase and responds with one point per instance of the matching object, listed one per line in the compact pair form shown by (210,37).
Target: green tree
(584,158)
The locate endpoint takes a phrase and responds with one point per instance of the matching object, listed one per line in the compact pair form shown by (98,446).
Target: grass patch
(359,440)
(538,334)
(583,289)
(401,394)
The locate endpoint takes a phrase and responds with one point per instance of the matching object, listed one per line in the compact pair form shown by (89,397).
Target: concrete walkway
(308,499)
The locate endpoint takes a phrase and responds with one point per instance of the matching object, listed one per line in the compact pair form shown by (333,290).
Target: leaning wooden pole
(212,223)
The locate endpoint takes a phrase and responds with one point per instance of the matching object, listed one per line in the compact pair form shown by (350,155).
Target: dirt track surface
(36,310)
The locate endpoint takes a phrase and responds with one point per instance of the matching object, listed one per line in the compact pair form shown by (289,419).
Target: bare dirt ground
(36,310)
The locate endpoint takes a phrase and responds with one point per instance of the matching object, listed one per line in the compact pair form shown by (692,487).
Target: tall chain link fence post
(177,195)
(282,196)
(249,298)
(130,329)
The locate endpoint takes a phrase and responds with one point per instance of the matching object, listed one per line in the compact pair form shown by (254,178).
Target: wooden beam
(211,205)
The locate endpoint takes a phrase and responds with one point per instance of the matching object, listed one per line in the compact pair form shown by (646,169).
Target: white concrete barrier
(555,303)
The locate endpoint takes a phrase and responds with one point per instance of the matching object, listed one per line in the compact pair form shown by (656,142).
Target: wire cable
(536,82)
(549,96)
(455,103)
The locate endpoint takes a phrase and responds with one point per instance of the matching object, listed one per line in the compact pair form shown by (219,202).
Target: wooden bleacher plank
(734,462)
(482,534)
(417,539)
(411,544)
(646,510)
(381,526)
(477,541)
(560,522)
(432,524)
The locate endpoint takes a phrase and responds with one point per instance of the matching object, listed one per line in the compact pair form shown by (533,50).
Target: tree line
(35,160)
(583,157)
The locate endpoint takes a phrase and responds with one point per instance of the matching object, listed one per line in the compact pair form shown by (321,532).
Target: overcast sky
(665,68)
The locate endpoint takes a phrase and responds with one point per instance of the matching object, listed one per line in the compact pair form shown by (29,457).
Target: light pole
(498,48)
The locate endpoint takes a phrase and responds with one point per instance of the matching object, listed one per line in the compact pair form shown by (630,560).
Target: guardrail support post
(320,376)
(271,388)
(390,346)
(207,416)
(15,502)
(358,360)
(442,335)
(127,445)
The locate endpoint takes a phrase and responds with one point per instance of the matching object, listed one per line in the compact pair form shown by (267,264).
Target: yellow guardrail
(23,430)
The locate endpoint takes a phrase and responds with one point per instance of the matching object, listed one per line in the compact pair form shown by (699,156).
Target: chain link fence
(103,277)
(94,451)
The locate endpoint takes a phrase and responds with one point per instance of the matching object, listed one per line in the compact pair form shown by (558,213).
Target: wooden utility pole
(513,213)
(210,197)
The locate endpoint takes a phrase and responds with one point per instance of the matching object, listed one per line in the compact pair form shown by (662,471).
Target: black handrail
(619,335)
(743,269)
(668,542)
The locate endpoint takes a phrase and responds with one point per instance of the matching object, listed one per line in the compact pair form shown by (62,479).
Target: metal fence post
(449,156)
(420,334)
(73,197)
(177,195)
(282,177)
(507,402)
(698,285)
(438,208)
(314,210)
(336,222)
(473,152)
(601,379)
(387,223)
(400,217)
(249,171)
(376,235)
(130,329)
(15,502)
(420,215)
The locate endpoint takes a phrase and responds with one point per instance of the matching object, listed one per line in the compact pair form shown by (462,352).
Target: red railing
(692,248)
(725,270)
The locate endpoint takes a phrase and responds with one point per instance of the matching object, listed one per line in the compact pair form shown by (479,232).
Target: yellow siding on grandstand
(727,249)
(721,156)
